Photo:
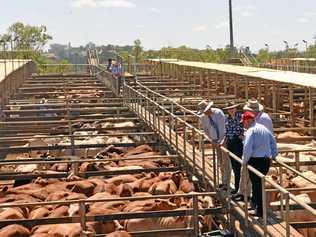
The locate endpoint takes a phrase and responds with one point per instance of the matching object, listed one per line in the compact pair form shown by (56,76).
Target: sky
(159,23)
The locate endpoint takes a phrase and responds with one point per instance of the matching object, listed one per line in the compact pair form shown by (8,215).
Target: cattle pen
(81,121)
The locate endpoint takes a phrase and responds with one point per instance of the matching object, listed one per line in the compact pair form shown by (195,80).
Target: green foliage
(190,54)
(27,37)
(263,56)
(26,41)
(137,50)
(311,51)
(62,66)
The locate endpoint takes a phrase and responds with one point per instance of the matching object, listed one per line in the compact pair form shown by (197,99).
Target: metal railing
(83,217)
(181,136)
(166,124)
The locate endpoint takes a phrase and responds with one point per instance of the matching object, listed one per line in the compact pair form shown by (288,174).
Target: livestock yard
(84,155)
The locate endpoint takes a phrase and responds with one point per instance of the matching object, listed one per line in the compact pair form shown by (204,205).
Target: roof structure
(296,78)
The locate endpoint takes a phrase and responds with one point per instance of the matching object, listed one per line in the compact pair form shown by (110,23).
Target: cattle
(12,213)
(96,188)
(301,215)
(14,231)
(119,234)
(300,182)
(291,137)
(163,187)
(69,230)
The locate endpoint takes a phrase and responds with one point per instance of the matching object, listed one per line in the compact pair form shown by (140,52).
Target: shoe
(256,212)
(238,197)
(233,192)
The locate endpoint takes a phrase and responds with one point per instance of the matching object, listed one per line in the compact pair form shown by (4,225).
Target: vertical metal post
(287,210)
(195,216)
(177,138)
(82,214)
(170,127)
(311,109)
(203,161)
(193,149)
(281,193)
(297,160)
(185,141)
(215,168)
(264,206)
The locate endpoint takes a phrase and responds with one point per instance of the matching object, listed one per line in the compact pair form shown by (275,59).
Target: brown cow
(84,186)
(163,187)
(69,230)
(12,213)
(119,234)
(14,231)
(38,213)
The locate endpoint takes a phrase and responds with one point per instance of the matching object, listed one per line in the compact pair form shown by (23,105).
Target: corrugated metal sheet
(296,78)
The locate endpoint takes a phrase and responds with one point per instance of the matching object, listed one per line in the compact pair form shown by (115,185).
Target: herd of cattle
(98,187)
(126,185)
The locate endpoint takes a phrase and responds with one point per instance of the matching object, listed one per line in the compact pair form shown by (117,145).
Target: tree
(27,37)
(263,56)
(137,50)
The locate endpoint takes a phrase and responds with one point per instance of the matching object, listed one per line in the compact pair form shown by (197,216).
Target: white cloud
(102,3)
(140,26)
(200,28)
(245,11)
(310,13)
(220,25)
(154,10)
(302,20)
(83,3)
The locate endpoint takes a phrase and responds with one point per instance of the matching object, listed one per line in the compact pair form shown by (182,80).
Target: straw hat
(253,105)
(204,106)
(231,104)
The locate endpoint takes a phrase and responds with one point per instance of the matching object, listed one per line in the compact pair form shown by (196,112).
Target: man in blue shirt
(259,146)
(213,124)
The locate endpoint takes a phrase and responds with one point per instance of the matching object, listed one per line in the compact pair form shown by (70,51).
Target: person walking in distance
(259,147)
(234,137)
(213,124)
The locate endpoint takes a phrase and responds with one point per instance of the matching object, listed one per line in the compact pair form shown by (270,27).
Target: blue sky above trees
(168,22)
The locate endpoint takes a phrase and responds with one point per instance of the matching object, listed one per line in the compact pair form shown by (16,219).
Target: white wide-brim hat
(204,106)
(253,105)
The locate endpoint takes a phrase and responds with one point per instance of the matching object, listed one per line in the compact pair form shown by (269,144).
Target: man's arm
(248,147)
(273,145)
(222,127)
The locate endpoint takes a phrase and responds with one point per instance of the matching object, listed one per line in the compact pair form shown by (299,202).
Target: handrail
(167,99)
(284,193)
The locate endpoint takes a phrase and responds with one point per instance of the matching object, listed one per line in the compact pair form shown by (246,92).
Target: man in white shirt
(213,124)
(263,118)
